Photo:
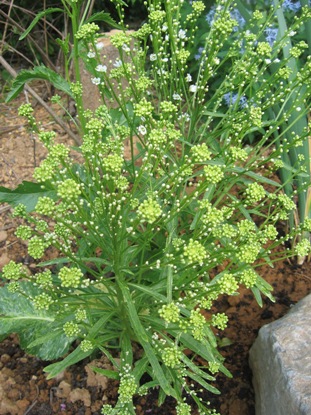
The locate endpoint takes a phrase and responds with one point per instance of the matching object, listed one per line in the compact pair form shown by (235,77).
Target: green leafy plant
(148,241)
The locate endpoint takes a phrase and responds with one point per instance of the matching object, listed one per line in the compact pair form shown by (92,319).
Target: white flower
(142,130)
(176,97)
(165,60)
(117,63)
(188,77)
(153,57)
(164,28)
(193,88)
(125,47)
(182,34)
(91,54)
(268,61)
(101,68)
(95,81)
(99,45)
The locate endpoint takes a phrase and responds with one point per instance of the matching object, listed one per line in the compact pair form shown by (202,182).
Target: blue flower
(198,54)
(291,6)
(271,34)
(230,99)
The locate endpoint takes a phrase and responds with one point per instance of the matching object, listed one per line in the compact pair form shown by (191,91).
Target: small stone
(280,360)
(5,358)
(79,394)
(3,236)
(63,390)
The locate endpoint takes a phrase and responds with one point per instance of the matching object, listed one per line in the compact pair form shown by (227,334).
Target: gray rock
(280,360)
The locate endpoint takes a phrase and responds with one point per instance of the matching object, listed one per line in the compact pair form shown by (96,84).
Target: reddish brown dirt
(24,388)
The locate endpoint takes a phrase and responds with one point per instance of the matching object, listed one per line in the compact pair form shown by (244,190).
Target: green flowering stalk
(142,237)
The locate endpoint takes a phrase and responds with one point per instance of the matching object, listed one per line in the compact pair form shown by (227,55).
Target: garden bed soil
(24,387)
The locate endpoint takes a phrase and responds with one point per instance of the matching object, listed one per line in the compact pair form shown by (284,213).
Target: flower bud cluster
(71,329)
(24,232)
(70,277)
(194,252)
(127,387)
(170,313)
(254,193)
(228,284)
(183,408)
(69,190)
(43,301)
(248,277)
(44,279)
(12,271)
(36,247)
(213,173)
(45,206)
(220,321)
(87,31)
(149,210)
(171,356)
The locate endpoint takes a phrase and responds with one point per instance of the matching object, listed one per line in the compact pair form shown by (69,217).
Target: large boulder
(281,363)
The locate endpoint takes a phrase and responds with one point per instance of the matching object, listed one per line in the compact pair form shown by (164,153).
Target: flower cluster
(127,387)
(171,356)
(70,277)
(12,271)
(149,210)
(170,313)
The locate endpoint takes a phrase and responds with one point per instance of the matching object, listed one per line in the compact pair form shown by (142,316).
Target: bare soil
(24,387)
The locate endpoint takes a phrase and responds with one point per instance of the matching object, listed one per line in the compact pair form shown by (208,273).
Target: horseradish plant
(148,241)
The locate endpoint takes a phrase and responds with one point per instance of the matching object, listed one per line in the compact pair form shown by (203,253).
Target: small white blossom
(101,68)
(176,97)
(153,57)
(117,63)
(164,28)
(125,47)
(142,130)
(95,81)
(99,45)
(188,77)
(193,88)
(91,54)
(182,34)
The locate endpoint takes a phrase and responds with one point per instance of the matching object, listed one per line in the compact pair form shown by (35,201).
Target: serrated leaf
(39,72)
(18,315)
(26,193)
(104,17)
(37,18)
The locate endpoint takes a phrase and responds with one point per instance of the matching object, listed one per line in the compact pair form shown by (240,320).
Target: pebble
(3,236)
(5,358)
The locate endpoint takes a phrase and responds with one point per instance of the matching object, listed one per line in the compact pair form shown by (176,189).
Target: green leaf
(74,357)
(27,193)
(37,18)
(104,17)
(77,355)
(145,341)
(39,72)
(111,374)
(18,315)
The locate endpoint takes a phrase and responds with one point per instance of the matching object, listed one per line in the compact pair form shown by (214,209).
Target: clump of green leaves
(148,242)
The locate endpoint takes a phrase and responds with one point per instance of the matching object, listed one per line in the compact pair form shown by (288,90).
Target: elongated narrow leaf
(76,356)
(111,374)
(37,18)
(39,72)
(27,193)
(145,341)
